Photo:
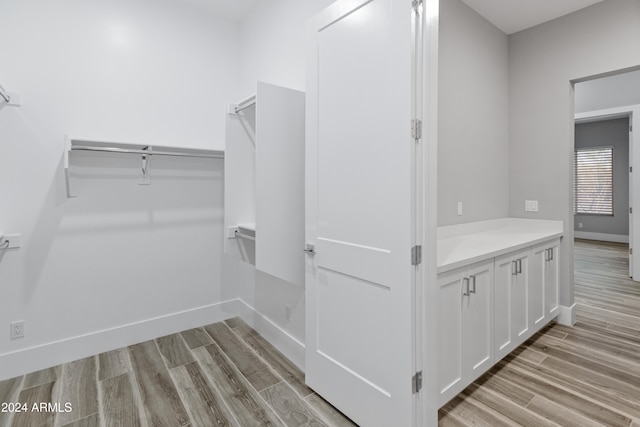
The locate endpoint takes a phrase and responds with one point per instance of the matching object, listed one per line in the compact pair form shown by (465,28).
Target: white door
(452,296)
(359,305)
(551,279)
(537,311)
(478,320)
(502,335)
(520,297)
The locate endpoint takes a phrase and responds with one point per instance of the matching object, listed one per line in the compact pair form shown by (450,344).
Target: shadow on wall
(113,215)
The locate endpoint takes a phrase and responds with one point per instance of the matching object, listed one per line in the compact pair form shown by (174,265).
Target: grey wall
(542,63)
(473,146)
(608,133)
(608,92)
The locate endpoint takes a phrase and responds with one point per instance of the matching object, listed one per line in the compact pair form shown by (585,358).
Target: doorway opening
(605,188)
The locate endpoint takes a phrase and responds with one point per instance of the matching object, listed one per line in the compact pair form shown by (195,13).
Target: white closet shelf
(144,150)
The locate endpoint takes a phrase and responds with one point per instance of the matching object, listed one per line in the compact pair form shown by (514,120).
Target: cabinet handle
(473,291)
(514,267)
(549,254)
(519,266)
(466,280)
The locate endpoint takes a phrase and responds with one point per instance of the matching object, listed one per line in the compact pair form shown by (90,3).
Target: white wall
(274,42)
(608,92)
(608,133)
(148,71)
(473,144)
(542,63)
(274,51)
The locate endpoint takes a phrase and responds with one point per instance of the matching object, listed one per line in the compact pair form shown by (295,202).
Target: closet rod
(245,103)
(217,155)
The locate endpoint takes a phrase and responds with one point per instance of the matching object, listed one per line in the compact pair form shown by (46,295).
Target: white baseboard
(50,354)
(32,359)
(604,237)
(567,315)
(287,344)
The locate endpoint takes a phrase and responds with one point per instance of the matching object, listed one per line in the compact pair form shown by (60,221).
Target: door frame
(427,277)
(633,113)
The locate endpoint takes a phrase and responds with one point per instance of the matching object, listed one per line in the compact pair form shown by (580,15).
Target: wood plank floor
(588,375)
(224,374)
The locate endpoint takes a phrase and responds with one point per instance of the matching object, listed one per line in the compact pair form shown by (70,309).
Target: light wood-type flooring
(225,374)
(588,375)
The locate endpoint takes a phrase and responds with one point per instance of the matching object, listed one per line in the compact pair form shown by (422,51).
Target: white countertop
(464,244)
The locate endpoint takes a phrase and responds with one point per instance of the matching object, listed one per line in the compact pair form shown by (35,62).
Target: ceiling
(233,10)
(512,16)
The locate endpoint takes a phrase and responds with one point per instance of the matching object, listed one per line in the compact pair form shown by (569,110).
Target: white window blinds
(593,175)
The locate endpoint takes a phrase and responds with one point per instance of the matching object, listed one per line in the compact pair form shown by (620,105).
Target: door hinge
(416,382)
(630,169)
(630,251)
(416,255)
(631,128)
(630,210)
(416,129)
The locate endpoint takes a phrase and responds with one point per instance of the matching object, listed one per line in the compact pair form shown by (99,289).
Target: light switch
(459,208)
(531,205)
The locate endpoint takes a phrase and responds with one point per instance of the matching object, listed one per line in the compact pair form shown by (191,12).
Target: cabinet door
(477,321)
(551,279)
(536,286)
(520,298)
(503,272)
(450,334)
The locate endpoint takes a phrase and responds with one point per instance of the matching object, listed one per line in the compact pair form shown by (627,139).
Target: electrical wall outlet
(16,330)
(459,208)
(579,225)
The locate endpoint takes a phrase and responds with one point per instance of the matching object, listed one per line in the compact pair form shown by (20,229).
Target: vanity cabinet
(465,346)
(497,286)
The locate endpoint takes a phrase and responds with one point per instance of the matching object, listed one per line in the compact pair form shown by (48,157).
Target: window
(593,175)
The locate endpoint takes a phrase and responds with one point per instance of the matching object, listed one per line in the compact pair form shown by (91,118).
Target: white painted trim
(605,237)
(32,359)
(567,315)
(427,411)
(286,343)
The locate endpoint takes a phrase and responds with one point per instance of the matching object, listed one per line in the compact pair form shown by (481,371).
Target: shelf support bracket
(146,159)
(67,173)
